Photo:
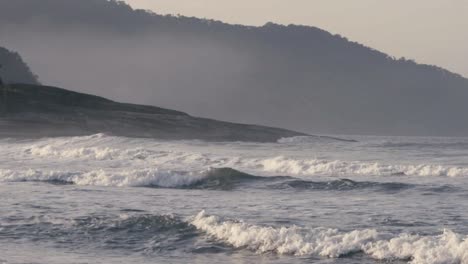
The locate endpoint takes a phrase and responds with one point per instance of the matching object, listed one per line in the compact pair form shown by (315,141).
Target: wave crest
(118,178)
(103,148)
(93,153)
(446,248)
(293,166)
(221,178)
(212,179)
(292,240)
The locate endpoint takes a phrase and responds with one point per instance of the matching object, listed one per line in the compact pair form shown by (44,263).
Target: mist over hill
(30,110)
(296,77)
(14,69)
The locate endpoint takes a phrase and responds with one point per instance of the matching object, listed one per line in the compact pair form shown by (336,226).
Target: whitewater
(340,199)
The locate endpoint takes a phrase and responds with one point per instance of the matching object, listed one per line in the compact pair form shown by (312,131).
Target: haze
(295,77)
(429,31)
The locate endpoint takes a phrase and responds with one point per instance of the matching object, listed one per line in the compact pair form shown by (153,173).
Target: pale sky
(429,31)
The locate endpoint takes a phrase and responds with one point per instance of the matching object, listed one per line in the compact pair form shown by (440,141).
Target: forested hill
(37,111)
(14,69)
(297,77)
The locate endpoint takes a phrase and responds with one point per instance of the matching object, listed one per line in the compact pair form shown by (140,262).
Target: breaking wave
(279,165)
(213,179)
(223,178)
(448,247)
(293,166)
(153,233)
(94,153)
(117,178)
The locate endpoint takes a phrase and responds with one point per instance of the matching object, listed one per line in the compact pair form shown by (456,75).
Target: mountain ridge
(299,77)
(148,20)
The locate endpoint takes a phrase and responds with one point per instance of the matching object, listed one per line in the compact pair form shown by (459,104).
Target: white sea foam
(279,165)
(143,153)
(35,175)
(293,166)
(446,248)
(292,240)
(299,140)
(117,178)
(93,153)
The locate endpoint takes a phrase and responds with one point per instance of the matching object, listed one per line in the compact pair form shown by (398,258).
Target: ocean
(106,199)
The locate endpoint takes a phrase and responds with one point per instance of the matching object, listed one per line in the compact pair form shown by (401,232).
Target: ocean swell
(212,179)
(149,233)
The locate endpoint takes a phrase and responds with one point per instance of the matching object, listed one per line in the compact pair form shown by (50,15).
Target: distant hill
(297,77)
(38,111)
(14,69)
